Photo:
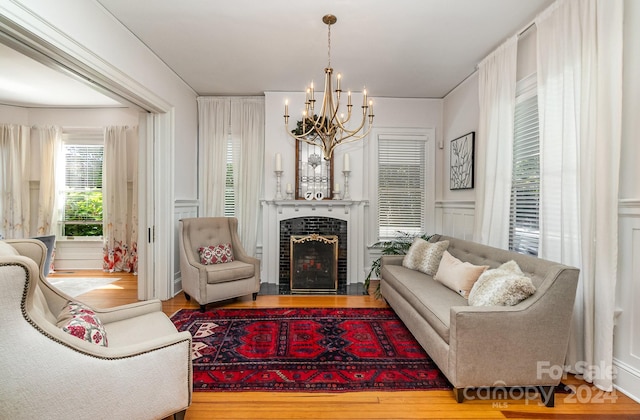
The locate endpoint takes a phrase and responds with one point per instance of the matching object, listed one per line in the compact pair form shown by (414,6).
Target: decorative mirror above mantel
(314,174)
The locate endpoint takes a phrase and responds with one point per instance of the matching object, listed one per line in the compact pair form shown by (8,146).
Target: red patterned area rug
(324,350)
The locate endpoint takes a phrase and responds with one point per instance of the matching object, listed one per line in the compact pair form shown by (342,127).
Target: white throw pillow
(425,256)
(503,286)
(457,275)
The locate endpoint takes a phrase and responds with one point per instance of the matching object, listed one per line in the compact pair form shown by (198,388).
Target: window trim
(75,137)
(371,174)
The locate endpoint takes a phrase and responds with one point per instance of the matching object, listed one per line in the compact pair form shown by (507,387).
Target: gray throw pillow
(425,256)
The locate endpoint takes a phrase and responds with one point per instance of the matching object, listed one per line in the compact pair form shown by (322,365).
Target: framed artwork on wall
(461,157)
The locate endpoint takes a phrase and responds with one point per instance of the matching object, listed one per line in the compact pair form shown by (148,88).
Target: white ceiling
(28,83)
(399,48)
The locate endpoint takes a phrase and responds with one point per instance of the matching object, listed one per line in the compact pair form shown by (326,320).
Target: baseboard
(627,380)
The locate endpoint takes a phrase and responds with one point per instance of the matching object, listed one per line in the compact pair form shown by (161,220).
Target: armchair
(215,282)
(144,372)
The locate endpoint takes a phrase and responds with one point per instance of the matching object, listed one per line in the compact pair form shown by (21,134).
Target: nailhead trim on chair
(23,308)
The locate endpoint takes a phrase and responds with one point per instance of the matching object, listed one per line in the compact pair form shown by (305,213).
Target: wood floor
(587,403)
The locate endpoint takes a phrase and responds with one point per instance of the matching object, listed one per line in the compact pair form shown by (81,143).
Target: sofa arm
(508,345)
(391,260)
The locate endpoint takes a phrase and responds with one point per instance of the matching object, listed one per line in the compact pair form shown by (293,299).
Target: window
(524,226)
(82,191)
(401,185)
(229,190)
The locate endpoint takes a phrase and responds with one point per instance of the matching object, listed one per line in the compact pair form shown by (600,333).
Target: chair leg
(179,415)
(255,296)
(202,307)
(186,296)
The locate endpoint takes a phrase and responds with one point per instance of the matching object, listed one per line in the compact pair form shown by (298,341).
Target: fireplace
(294,229)
(314,263)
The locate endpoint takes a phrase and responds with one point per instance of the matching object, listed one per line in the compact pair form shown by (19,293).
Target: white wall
(626,346)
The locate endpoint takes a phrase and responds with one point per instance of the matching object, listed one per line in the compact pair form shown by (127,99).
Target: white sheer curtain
(243,120)
(50,143)
(497,93)
(247,128)
(15,170)
(119,202)
(213,128)
(580,97)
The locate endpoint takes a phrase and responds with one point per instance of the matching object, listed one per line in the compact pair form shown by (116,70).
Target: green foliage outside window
(86,209)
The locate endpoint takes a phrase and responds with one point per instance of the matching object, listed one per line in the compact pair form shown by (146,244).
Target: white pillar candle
(278,162)
(345,164)
(289,188)
(336,188)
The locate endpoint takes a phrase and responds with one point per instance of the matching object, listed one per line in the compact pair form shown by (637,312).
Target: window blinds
(524,226)
(83,183)
(401,186)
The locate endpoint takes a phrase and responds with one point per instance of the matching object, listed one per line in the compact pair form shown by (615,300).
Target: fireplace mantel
(312,205)
(275,211)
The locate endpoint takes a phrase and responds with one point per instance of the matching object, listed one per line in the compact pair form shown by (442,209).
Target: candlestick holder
(346,195)
(279,185)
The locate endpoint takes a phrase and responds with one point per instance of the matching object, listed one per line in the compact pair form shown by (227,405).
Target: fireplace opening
(314,263)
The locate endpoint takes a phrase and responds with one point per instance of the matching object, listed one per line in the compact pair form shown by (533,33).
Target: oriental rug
(319,349)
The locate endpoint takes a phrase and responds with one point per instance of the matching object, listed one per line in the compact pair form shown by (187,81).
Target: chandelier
(327,128)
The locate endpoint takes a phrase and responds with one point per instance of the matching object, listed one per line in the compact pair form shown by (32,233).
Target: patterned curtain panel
(120,199)
(49,141)
(14,180)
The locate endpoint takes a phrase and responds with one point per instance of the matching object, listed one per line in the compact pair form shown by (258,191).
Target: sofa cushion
(431,299)
(502,286)
(80,321)
(215,254)
(235,270)
(457,275)
(424,256)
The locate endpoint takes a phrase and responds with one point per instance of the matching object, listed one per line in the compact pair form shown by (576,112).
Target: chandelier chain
(329,47)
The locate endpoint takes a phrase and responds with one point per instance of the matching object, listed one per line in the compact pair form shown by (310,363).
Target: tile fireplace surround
(282,218)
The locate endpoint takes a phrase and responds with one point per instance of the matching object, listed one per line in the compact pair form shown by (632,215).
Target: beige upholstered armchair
(227,272)
(48,372)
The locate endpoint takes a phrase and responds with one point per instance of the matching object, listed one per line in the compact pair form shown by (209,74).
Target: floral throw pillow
(80,321)
(215,254)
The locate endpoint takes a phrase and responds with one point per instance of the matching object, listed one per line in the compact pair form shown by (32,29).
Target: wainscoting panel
(182,209)
(455,218)
(78,254)
(626,344)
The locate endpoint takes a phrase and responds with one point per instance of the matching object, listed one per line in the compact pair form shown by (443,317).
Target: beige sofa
(487,346)
(144,372)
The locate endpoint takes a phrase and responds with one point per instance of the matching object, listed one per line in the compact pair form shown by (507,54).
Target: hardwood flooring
(587,403)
